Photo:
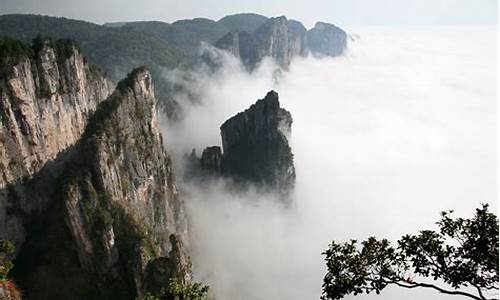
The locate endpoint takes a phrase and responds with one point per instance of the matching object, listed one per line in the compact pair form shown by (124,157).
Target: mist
(385,137)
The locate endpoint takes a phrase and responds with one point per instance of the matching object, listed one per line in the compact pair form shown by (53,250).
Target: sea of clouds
(385,137)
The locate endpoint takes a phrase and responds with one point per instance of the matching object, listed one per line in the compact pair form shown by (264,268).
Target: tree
(8,290)
(6,249)
(177,290)
(459,259)
(191,291)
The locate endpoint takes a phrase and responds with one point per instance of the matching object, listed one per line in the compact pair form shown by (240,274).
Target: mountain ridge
(163,46)
(93,207)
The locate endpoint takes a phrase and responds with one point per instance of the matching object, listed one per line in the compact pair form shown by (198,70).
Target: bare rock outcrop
(88,193)
(211,160)
(326,40)
(255,148)
(282,40)
(117,209)
(46,97)
(124,189)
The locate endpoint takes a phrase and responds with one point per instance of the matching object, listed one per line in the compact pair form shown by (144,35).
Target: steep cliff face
(118,217)
(255,149)
(122,205)
(326,40)
(46,97)
(255,145)
(211,160)
(283,40)
(87,191)
(280,39)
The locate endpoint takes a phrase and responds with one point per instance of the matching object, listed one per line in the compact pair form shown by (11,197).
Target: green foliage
(63,47)
(176,290)
(66,47)
(128,82)
(6,250)
(104,110)
(13,49)
(115,50)
(148,296)
(185,35)
(463,253)
(192,291)
(103,218)
(118,49)
(243,22)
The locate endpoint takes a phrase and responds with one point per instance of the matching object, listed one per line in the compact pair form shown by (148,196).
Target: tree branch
(479,290)
(439,289)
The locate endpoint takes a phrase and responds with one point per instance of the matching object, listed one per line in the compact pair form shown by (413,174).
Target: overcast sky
(342,12)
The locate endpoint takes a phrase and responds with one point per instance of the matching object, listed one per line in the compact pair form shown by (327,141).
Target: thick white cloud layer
(401,127)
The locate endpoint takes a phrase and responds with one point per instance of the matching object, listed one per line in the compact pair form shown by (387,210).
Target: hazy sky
(343,12)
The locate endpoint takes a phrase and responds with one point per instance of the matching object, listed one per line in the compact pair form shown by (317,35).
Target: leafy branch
(463,253)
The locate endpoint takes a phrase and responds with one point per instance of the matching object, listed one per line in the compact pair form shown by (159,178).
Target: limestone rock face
(326,40)
(283,40)
(211,160)
(122,204)
(255,148)
(45,103)
(255,145)
(117,213)
(230,42)
(87,191)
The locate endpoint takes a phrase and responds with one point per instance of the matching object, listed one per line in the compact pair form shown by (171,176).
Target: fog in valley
(385,137)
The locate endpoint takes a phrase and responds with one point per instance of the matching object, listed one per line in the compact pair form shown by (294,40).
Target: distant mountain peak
(283,39)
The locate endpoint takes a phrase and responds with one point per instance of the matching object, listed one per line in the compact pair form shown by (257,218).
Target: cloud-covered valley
(385,137)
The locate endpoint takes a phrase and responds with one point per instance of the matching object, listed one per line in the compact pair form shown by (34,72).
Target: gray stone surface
(284,39)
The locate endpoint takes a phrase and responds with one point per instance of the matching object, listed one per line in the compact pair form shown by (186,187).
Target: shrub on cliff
(6,250)
(176,290)
(13,49)
(8,290)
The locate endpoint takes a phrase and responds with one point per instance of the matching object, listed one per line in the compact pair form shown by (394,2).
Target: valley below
(382,137)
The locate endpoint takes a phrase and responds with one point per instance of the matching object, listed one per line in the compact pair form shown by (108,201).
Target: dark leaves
(6,250)
(463,252)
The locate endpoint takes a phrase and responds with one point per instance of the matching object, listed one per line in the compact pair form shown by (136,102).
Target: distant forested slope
(119,47)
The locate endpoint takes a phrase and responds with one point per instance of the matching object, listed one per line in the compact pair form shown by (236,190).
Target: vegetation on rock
(8,290)
(13,49)
(6,250)
(176,290)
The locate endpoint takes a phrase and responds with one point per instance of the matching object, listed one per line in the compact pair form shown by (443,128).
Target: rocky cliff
(326,40)
(255,145)
(94,211)
(255,148)
(46,96)
(282,40)
(117,217)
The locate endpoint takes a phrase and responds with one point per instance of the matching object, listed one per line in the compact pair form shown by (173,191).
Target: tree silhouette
(459,259)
